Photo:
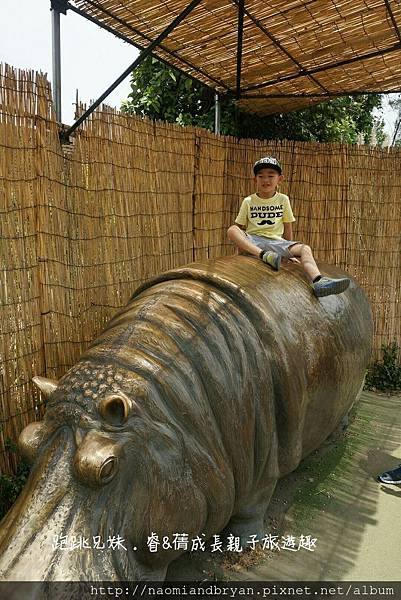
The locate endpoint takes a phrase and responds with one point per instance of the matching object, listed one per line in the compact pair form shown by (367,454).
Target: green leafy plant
(161,92)
(385,374)
(11,485)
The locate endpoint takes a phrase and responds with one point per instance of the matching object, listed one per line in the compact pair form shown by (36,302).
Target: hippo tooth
(32,437)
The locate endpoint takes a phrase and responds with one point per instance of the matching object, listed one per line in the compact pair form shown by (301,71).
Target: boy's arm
(287,235)
(242,217)
(288,219)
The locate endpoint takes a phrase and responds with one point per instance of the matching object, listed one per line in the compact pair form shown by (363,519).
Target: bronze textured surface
(210,384)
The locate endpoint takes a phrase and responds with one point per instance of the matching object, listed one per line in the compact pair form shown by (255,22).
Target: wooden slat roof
(294,52)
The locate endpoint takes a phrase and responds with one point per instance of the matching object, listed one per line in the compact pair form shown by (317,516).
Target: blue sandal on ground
(391,477)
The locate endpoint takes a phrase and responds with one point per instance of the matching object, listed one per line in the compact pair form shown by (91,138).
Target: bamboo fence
(82,227)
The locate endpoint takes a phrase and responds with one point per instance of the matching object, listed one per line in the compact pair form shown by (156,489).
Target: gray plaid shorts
(269,244)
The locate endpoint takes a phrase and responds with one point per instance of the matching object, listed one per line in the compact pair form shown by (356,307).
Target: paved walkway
(355,520)
(358,527)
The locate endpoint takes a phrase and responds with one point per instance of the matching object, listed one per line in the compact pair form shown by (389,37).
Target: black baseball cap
(267,162)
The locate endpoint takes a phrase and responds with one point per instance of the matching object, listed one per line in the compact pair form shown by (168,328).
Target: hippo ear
(46,386)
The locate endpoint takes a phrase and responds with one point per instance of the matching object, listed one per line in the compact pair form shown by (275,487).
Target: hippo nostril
(97,459)
(108,469)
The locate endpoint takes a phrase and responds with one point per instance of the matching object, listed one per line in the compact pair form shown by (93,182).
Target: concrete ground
(334,498)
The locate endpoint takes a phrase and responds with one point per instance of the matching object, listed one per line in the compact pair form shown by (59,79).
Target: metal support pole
(146,52)
(241,10)
(396,129)
(56,61)
(217,113)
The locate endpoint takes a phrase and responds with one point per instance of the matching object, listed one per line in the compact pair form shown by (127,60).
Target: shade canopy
(273,56)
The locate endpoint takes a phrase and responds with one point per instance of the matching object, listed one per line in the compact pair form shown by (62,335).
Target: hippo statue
(215,380)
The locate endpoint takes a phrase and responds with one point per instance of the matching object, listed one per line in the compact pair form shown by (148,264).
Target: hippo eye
(115,409)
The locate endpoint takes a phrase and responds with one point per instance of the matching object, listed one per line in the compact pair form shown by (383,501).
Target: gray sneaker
(272,259)
(327,286)
(392,477)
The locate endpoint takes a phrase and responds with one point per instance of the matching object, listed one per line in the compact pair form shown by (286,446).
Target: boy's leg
(239,238)
(308,263)
(322,286)
(244,245)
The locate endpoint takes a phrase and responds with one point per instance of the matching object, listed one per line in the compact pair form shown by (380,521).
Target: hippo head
(109,469)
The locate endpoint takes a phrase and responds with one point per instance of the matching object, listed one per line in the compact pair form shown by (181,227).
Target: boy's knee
(231,231)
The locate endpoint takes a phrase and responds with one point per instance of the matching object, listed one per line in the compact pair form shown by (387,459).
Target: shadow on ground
(334,498)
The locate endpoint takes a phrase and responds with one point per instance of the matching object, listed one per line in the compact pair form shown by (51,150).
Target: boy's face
(266,182)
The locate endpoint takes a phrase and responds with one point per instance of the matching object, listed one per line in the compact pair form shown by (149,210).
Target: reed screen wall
(82,228)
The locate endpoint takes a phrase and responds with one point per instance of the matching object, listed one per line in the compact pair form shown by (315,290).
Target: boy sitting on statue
(264,229)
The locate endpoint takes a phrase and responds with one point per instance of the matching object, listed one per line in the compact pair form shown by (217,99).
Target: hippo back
(271,359)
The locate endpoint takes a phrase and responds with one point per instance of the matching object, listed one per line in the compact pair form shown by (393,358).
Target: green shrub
(11,485)
(385,374)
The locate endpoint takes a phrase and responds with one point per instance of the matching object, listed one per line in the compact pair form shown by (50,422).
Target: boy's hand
(292,259)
